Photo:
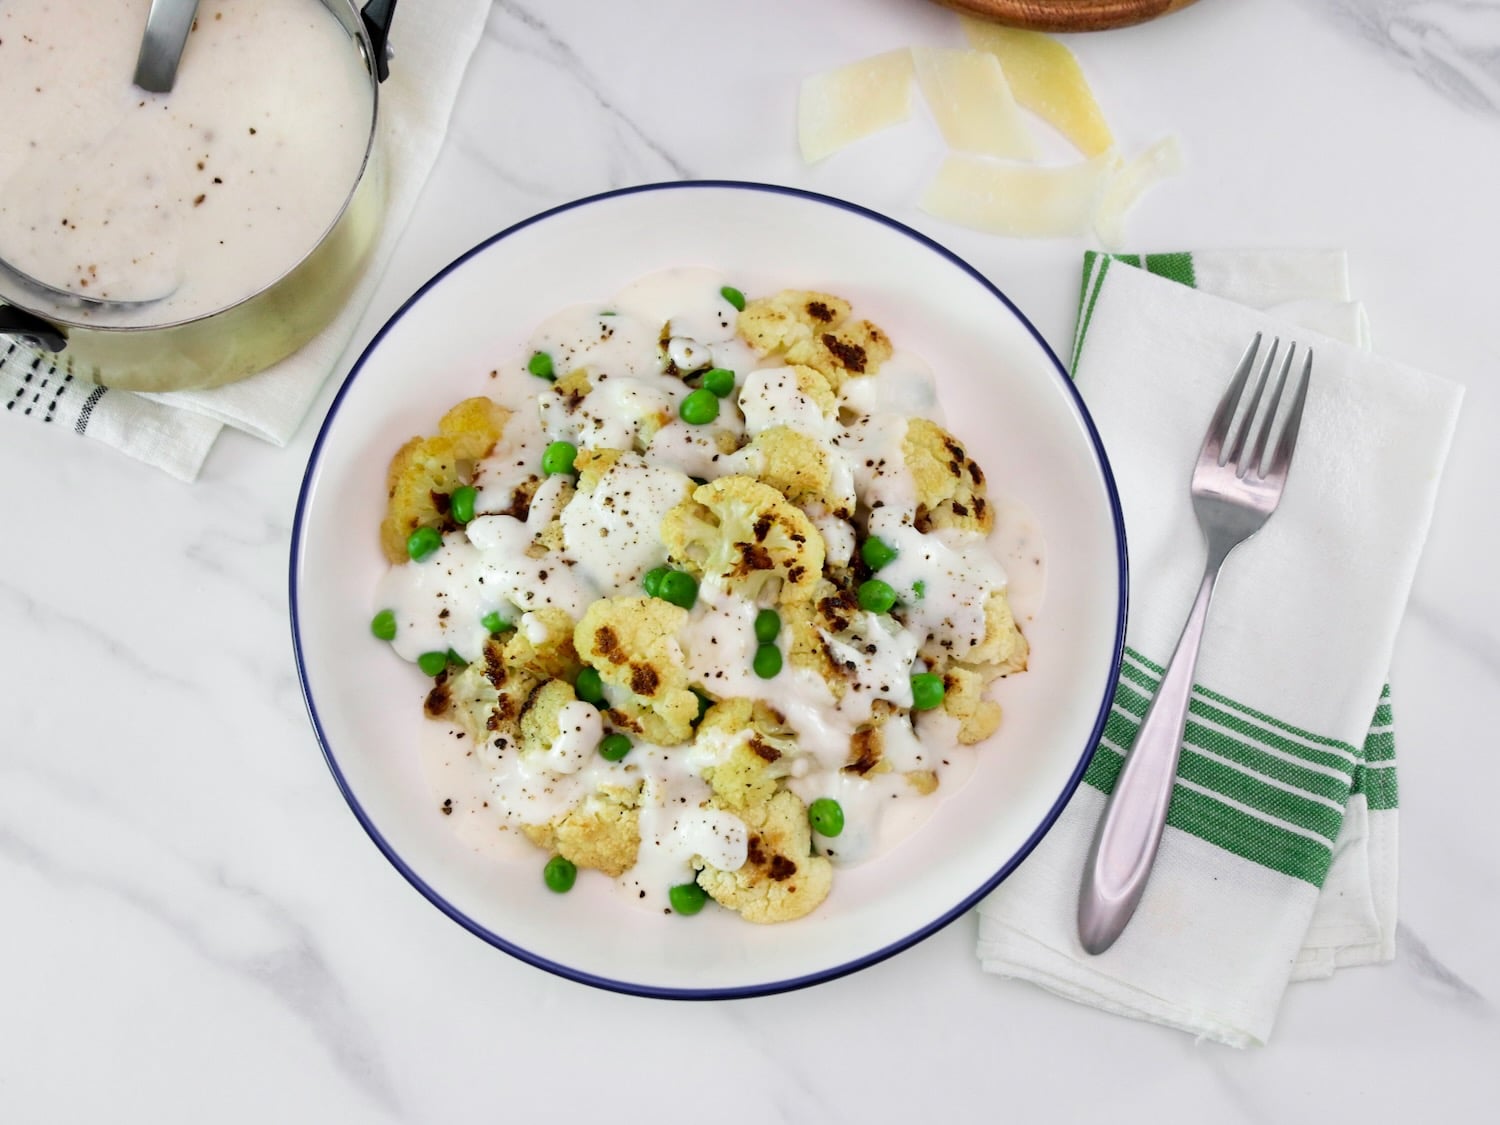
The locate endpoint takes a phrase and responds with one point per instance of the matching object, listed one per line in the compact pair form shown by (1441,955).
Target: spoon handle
(167,27)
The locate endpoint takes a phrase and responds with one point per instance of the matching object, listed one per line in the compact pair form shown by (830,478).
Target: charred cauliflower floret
(813,329)
(798,466)
(632,642)
(963,699)
(781,879)
(950,486)
(542,644)
(795,396)
(591,464)
(486,699)
(1001,651)
(425,471)
(558,496)
(541,721)
(602,831)
(746,535)
(858,348)
(759,751)
(574,385)
(773,324)
(831,610)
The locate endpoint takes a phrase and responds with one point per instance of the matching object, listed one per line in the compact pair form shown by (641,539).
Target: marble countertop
(196,929)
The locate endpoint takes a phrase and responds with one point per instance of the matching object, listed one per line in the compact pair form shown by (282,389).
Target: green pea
(493,623)
(687,898)
(919,588)
(432,663)
(767,662)
(651,583)
(558,458)
(704,703)
(767,625)
(733,296)
(456,660)
(613,747)
(383,625)
(588,686)
(926,691)
(461,503)
(422,542)
(699,408)
(679,587)
(826,816)
(877,552)
(560,874)
(877,596)
(540,365)
(719,381)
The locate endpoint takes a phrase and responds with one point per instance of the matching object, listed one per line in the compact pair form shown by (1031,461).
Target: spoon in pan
(167,26)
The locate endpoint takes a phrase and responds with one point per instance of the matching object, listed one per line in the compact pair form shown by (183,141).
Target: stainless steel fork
(1233,496)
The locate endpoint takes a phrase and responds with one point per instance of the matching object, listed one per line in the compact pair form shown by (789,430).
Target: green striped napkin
(1279,859)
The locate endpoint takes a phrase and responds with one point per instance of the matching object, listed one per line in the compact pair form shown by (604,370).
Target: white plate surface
(1006,397)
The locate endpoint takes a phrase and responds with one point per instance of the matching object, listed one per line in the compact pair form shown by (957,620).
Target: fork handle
(1130,830)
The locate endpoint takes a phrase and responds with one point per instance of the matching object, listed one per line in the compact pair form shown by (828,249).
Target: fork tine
(1238,449)
(1287,444)
(1218,427)
(1258,457)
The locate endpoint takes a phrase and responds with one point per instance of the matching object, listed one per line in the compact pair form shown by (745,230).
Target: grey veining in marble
(521,29)
(1415,952)
(1452,45)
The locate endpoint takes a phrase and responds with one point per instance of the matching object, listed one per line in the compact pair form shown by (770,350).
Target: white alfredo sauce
(634,351)
(612,531)
(199,197)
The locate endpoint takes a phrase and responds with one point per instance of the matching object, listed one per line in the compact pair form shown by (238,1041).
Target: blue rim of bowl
(822,975)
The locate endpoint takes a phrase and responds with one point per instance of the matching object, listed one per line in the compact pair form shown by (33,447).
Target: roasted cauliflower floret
(1001,651)
(950,486)
(746,535)
(813,329)
(760,751)
(773,324)
(542,644)
(541,721)
(963,699)
(591,464)
(550,537)
(486,699)
(632,642)
(798,466)
(574,385)
(601,831)
(795,396)
(855,349)
(781,879)
(425,471)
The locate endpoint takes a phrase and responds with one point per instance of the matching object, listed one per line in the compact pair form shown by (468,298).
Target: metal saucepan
(262,327)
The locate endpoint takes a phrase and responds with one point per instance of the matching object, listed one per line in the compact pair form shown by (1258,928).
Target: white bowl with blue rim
(1005,396)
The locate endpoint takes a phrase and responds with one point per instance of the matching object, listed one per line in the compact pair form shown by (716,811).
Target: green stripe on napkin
(1247,782)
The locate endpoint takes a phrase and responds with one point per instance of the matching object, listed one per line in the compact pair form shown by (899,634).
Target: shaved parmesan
(1046,79)
(1159,162)
(1024,201)
(838,107)
(972,102)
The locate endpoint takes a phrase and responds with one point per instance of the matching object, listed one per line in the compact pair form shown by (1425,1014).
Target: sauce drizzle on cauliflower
(549,631)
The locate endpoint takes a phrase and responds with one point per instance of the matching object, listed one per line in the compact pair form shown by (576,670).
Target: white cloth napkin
(1279,859)
(433,40)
